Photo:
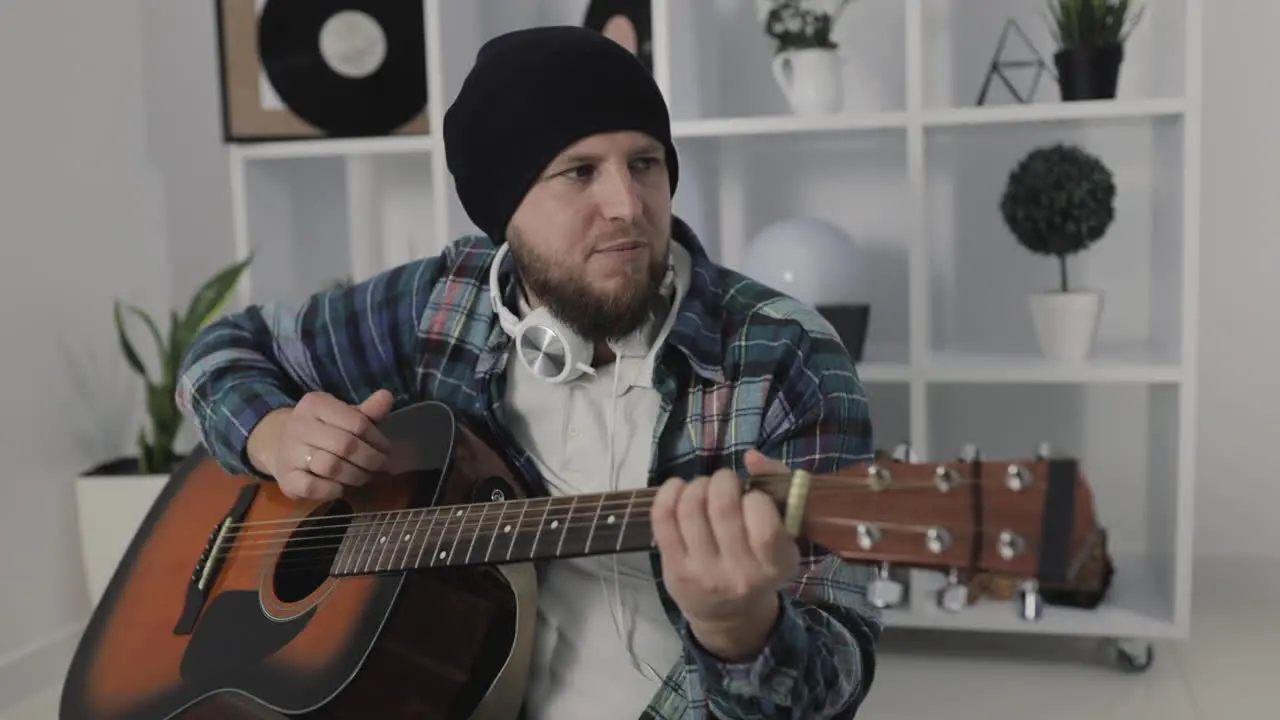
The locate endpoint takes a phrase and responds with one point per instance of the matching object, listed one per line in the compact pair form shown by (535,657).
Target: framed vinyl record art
(305,69)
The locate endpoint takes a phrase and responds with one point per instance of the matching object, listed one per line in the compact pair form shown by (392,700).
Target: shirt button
(573,431)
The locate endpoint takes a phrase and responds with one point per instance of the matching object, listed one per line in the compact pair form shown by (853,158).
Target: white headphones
(545,345)
(547,348)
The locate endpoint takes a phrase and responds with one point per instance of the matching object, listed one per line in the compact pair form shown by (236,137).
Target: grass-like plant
(156,449)
(1092,23)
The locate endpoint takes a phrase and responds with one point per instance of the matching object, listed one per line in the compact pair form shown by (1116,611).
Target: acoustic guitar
(415,595)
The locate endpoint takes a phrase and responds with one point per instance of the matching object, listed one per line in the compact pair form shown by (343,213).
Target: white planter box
(110,509)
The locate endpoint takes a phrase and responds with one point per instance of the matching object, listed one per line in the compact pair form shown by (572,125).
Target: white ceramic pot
(110,508)
(811,80)
(1066,323)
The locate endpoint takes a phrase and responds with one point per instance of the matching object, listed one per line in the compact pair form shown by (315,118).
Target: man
(640,362)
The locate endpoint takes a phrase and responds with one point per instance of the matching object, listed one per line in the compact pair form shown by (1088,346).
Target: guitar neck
(496,532)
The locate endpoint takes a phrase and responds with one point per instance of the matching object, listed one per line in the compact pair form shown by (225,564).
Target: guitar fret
(386,530)
(595,520)
(399,538)
(515,532)
(478,530)
(426,537)
(343,558)
(568,521)
(537,536)
(464,527)
(496,530)
(438,553)
(626,515)
(409,535)
(372,532)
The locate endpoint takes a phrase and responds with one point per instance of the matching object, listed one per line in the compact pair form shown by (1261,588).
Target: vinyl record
(349,67)
(628,22)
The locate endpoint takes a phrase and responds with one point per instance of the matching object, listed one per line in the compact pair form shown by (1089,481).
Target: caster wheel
(1131,656)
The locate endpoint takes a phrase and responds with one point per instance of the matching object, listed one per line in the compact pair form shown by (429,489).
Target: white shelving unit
(914,171)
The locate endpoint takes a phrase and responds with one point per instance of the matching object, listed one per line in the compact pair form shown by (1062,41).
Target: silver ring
(309,462)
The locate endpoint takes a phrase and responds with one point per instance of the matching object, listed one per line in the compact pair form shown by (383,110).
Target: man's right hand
(322,444)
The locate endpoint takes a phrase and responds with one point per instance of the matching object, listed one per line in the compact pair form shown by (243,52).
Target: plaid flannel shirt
(743,367)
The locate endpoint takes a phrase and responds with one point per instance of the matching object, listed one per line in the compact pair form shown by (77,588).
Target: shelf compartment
(721,60)
(980,277)
(960,37)
(316,220)
(1135,482)
(1138,606)
(1109,364)
(890,408)
(732,188)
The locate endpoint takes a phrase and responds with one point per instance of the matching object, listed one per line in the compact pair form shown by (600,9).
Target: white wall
(1239,491)
(101,197)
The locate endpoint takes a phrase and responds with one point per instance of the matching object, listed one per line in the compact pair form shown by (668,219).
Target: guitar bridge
(210,561)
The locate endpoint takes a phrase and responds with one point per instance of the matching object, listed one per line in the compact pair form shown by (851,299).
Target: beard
(594,315)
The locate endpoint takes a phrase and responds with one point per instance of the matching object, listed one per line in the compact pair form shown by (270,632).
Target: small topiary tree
(1059,201)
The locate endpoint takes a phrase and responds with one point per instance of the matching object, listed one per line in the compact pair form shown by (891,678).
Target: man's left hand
(725,555)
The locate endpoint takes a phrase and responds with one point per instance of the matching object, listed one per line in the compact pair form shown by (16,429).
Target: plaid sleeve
(348,342)
(820,659)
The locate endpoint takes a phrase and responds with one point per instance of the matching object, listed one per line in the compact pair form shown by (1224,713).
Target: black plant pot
(1089,73)
(850,323)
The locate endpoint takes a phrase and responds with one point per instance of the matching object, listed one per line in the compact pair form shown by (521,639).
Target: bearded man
(588,330)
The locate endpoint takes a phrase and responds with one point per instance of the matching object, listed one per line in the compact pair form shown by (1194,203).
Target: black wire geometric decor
(999,66)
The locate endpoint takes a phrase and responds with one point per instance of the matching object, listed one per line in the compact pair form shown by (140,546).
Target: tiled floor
(1226,671)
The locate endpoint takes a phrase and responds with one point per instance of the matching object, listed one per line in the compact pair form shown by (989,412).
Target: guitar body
(275,637)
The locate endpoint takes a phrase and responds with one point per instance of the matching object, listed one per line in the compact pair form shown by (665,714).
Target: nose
(617,193)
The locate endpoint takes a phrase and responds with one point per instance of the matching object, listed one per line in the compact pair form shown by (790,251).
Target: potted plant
(806,64)
(1090,35)
(1059,201)
(113,497)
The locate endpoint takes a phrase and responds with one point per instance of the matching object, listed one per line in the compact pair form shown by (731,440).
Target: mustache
(634,231)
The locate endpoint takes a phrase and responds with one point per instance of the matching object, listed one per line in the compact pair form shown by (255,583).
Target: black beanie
(531,94)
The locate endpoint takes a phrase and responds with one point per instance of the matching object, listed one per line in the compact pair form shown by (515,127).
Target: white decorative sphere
(809,259)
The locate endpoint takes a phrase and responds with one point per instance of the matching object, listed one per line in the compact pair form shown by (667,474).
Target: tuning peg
(955,595)
(1043,451)
(1030,603)
(945,478)
(869,535)
(1017,477)
(878,477)
(884,591)
(904,453)
(1010,545)
(969,452)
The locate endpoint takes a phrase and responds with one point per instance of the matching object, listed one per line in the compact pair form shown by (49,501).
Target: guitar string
(366,554)
(615,502)
(556,509)
(563,527)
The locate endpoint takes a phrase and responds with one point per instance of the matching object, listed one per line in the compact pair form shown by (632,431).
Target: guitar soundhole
(307,557)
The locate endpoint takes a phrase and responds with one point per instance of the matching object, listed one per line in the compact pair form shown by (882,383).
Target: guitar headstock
(1030,518)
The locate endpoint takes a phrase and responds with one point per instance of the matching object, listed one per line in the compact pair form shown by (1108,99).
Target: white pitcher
(810,79)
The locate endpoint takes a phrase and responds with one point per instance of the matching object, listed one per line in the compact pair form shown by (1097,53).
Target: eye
(579,173)
(646,163)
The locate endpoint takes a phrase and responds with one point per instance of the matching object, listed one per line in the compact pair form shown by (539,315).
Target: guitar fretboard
(496,533)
